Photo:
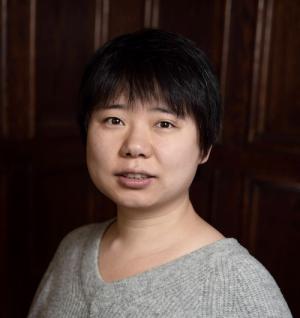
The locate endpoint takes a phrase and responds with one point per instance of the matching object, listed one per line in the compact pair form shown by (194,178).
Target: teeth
(135,175)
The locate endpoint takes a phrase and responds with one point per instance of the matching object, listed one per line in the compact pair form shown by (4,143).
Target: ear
(202,158)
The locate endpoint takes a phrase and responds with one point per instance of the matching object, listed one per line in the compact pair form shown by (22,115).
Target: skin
(156,221)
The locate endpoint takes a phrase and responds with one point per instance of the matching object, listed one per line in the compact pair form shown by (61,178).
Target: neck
(158,229)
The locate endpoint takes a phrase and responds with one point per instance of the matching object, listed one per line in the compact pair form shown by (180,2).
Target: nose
(136,144)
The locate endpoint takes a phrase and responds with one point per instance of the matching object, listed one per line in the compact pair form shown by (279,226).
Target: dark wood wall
(250,189)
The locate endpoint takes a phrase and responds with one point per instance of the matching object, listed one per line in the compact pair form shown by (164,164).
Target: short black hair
(154,64)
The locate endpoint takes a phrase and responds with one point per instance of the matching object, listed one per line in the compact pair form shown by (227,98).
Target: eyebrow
(154,109)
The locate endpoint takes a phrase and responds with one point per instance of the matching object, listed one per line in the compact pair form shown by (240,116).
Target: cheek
(181,159)
(98,160)
(97,153)
(182,150)
(93,151)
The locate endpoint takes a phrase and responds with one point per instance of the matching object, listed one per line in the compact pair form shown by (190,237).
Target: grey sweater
(218,280)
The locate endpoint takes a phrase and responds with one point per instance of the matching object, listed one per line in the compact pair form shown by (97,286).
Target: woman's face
(142,156)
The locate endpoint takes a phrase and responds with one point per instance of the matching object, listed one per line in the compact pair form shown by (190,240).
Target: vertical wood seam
(105,20)
(4,68)
(32,82)
(97,25)
(214,196)
(265,67)
(255,194)
(260,69)
(225,47)
(101,26)
(147,13)
(151,13)
(245,210)
(249,213)
(256,68)
(155,14)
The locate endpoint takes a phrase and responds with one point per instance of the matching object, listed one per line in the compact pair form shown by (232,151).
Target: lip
(132,183)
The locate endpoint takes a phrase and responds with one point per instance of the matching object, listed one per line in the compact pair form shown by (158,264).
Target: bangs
(142,85)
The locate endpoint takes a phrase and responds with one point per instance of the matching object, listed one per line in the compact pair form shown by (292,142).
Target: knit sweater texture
(218,280)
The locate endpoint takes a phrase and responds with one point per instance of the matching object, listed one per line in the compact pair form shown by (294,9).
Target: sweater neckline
(92,276)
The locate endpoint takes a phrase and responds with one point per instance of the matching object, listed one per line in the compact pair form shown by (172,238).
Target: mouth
(135,176)
(138,175)
(135,180)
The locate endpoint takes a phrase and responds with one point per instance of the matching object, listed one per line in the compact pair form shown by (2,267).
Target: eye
(114,121)
(165,124)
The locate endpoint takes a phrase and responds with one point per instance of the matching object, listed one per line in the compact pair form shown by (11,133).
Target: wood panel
(3,236)
(17,65)
(227,201)
(64,38)
(202,192)
(238,80)
(275,92)
(202,21)
(125,16)
(56,207)
(3,95)
(19,201)
(272,226)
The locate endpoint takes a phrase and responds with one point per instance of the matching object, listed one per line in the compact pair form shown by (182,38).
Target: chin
(133,203)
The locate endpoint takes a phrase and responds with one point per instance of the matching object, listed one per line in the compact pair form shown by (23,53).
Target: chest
(114,267)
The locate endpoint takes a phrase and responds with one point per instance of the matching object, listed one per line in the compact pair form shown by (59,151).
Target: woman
(150,115)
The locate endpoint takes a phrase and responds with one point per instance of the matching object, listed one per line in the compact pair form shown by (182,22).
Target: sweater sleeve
(257,294)
(60,293)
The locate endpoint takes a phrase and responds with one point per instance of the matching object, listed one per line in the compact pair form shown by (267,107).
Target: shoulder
(68,255)
(246,269)
(78,245)
(61,286)
(79,237)
(253,289)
